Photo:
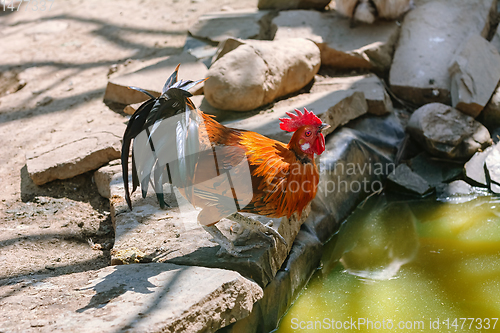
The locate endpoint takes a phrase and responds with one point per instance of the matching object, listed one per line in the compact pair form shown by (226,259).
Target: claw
(256,226)
(266,229)
(226,246)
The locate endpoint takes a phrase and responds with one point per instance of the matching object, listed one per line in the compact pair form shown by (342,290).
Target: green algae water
(407,266)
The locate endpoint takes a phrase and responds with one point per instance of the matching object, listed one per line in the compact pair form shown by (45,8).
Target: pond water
(408,266)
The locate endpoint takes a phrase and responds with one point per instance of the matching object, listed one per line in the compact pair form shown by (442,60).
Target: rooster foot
(226,246)
(256,226)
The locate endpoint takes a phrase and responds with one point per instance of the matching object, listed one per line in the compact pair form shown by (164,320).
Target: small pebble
(45,101)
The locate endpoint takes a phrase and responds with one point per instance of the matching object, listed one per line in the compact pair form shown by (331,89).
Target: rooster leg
(256,226)
(226,245)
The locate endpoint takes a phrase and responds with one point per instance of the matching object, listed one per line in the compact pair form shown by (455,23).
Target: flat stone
(403,179)
(458,191)
(435,171)
(379,101)
(474,168)
(131,108)
(352,106)
(219,26)
(446,132)
(201,49)
(492,164)
(274,69)
(342,105)
(366,46)
(475,72)
(430,34)
(293,4)
(152,78)
(174,235)
(161,298)
(74,153)
(109,177)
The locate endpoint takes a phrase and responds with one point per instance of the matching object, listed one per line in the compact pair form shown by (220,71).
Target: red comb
(297,121)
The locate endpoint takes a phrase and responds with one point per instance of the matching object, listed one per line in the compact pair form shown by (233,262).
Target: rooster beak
(323,126)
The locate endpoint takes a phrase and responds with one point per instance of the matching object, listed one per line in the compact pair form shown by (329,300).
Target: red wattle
(319,144)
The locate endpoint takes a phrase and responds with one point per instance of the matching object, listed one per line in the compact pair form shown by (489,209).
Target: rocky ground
(63,104)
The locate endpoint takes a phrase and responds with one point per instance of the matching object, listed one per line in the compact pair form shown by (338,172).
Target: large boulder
(475,72)
(366,46)
(255,73)
(446,132)
(430,34)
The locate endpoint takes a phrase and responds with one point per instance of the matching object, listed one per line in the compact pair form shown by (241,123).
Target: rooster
(223,171)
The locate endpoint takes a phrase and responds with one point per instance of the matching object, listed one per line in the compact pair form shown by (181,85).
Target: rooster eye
(308,133)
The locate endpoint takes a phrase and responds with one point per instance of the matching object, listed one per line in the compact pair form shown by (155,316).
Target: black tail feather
(174,100)
(134,127)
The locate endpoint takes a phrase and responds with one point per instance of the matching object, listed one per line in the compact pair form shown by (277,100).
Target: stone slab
(342,106)
(430,34)
(379,101)
(403,179)
(366,46)
(152,78)
(492,164)
(457,191)
(74,153)
(218,26)
(201,49)
(474,169)
(161,298)
(435,171)
(475,72)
